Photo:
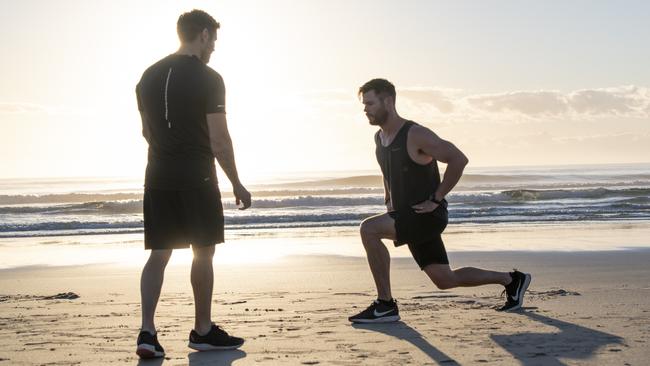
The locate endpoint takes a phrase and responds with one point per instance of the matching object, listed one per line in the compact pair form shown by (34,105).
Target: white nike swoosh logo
(376,313)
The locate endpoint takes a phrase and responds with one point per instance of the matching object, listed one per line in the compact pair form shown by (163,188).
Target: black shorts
(422,233)
(176,219)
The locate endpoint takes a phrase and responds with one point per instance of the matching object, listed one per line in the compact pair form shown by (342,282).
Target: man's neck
(392,125)
(189,50)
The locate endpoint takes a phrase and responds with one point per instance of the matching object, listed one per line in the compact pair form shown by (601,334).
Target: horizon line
(270,173)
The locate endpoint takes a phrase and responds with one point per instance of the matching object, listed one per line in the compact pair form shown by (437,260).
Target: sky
(508,82)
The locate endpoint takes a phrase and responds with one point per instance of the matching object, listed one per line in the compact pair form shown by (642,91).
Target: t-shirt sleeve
(138,97)
(216,102)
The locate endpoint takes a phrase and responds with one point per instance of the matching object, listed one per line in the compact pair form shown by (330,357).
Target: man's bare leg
(384,309)
(445,278)
(151,283)
(515,284)
(373,230)
(202,278)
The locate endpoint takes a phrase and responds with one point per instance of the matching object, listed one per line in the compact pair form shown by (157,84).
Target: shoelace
(504,290)
(218,330)
(506,296)
(372,304)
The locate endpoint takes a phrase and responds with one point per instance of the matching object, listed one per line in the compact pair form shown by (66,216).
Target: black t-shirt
(174,95)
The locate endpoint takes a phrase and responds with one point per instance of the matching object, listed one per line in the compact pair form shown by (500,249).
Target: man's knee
(444,284)
(160,255)
(371,228)
(366,229)
(206,252)
(443,278)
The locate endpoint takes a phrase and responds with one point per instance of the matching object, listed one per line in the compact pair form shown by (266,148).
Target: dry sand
(587,308)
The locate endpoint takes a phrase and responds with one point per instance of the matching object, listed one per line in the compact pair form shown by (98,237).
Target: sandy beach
(288,132)
(583,308)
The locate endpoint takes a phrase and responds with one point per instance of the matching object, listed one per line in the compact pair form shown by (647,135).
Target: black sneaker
(216,339)
(378,312)
(148,346)
(515,291)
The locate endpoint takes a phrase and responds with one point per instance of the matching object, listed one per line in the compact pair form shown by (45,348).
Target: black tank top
(408,182)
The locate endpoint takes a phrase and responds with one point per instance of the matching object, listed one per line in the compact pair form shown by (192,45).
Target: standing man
(182,104)
(417,210)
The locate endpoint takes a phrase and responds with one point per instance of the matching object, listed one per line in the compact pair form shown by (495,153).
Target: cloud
(39,109)
(336,94)
(440,99)
(451,106)
(19,108)
(626,101)
(584,104)
(627,137)
(328,98)
(528,103)
(614,101)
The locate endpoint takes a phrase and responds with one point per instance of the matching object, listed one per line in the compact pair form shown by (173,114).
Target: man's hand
(242,196)
(425,206)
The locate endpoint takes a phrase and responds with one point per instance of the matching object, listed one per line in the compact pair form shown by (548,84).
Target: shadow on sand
(401,330)
(216,358)
(571,342)
(151,362)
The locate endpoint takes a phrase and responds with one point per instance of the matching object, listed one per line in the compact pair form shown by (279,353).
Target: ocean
(484,196)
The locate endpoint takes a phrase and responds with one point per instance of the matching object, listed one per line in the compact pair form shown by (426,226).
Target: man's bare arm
(444,151)
(222,149)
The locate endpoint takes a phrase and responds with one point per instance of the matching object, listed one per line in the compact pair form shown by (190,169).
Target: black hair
(382,87)
(192,23)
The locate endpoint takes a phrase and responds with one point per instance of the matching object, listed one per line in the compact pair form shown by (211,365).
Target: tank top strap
(400,138)
(403,133)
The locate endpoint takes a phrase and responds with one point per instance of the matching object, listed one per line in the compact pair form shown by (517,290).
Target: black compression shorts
(422,233)
(175,219)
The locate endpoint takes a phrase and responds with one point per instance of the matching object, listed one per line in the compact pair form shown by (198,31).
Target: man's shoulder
(418,129)
(213,75)
(159,64)
(156,67)
(420,134)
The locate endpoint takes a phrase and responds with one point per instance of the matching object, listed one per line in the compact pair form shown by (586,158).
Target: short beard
(380,117)
(205,56)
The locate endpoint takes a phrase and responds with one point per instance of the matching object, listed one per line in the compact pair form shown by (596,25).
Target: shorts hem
(183,246)
(433,262)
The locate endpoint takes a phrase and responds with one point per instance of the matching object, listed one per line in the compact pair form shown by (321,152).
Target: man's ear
(205,35)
